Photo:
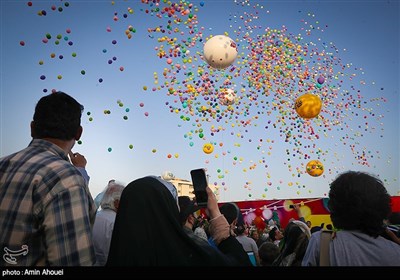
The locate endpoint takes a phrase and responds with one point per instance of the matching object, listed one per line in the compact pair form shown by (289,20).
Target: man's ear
(79,133)
(33,129)
(116,204)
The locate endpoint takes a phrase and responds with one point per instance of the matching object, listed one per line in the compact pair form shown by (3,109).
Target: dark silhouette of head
(268,252)
(358,201)
(57,116)
(272,233)
(187,207)
(231,211)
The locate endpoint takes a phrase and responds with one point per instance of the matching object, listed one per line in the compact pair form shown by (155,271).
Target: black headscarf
(147,231)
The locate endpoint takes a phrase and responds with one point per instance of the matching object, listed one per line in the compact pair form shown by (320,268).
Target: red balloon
(258,212)
(259,222)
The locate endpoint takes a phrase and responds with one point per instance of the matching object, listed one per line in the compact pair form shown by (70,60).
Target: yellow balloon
(208,148)
(286,204)
(308,105)
(305,211)
(315,168)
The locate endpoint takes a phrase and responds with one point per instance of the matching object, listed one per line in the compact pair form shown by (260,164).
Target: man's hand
(392,236)
(77,159)
(296,207)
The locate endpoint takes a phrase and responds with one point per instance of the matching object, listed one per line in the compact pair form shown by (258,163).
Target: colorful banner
(315,210)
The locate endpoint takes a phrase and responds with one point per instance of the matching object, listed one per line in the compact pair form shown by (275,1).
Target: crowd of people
(48,216)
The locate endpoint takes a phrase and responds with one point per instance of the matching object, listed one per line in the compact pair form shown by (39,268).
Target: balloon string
(281,206)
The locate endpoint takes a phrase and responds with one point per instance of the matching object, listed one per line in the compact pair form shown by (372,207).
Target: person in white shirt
(104,223)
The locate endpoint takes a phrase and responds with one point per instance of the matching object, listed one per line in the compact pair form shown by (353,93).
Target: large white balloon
(220,51)
(267,214)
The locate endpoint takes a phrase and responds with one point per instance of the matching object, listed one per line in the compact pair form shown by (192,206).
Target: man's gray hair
(112,193)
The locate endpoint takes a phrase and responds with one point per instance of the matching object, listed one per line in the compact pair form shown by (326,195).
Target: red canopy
(316,210)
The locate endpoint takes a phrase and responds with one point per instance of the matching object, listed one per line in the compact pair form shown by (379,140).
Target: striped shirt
(46,209)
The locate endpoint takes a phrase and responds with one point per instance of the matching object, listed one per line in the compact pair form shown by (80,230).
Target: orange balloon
(308,105)
(315,168)
(259,222)
(208,148)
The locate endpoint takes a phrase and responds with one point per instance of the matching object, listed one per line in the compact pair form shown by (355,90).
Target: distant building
(185,187)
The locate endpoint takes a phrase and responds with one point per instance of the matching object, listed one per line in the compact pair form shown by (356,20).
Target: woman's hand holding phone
(203,193)
(212,204)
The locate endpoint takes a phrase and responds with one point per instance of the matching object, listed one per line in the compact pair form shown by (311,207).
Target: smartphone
(199,180)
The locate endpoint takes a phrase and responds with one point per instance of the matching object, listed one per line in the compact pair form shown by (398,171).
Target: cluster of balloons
(275,80)
(220,52)
(227,97)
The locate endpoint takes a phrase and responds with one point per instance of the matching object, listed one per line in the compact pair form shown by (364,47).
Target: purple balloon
(321,80)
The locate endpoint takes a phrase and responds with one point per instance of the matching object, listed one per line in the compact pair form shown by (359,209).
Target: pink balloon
(248,219)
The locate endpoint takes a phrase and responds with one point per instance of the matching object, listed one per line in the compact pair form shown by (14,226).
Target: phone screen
(199,181)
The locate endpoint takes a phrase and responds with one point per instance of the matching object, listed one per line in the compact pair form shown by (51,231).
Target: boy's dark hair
(240,229)
(358,201)
(272,232)
(58,116)
(268,252)
(230,210)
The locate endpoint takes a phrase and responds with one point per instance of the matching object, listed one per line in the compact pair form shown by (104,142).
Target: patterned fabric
(46,210)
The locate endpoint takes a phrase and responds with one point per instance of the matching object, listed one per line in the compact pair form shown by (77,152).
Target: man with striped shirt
(46,209)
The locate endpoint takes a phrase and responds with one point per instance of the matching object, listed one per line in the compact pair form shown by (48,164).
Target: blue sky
(261,146)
